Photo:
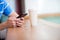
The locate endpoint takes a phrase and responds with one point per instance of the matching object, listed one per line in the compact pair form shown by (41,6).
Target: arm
(5,24)
(10,21)
(12,17)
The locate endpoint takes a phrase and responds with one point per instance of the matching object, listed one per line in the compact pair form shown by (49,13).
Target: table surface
(24,33)
(19,33)
(15,34)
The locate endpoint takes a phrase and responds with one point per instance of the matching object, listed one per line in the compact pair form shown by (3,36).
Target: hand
(11,21)
(20,22)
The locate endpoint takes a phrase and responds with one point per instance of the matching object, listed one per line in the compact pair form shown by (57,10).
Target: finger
(14,24)
(17,20)
(21,18)
(19,24)
(20,21)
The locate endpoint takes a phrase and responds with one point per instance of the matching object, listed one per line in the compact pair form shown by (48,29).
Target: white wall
(43,6)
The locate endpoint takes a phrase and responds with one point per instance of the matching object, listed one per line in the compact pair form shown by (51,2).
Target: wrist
(3,25)
(6,23)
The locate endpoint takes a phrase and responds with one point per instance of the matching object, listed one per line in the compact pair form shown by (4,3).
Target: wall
(43,6)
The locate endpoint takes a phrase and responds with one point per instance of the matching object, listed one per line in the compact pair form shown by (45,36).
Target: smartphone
(22,15)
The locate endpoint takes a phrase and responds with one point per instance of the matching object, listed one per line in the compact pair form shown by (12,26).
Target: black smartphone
(22,15)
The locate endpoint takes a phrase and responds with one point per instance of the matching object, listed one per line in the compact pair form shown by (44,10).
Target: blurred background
(47,27)
(41,6)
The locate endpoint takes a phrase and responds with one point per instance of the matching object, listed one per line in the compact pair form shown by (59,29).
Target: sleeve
(7,9)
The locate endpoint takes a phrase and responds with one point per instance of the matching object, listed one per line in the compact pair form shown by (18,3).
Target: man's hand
(19,22)
(12,21)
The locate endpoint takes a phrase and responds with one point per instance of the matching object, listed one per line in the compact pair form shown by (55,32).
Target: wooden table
(19,33)
(15,34)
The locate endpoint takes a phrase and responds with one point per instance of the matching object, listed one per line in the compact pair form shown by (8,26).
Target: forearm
(3,25)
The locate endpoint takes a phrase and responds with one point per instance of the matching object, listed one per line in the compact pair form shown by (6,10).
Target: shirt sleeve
(7,9)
